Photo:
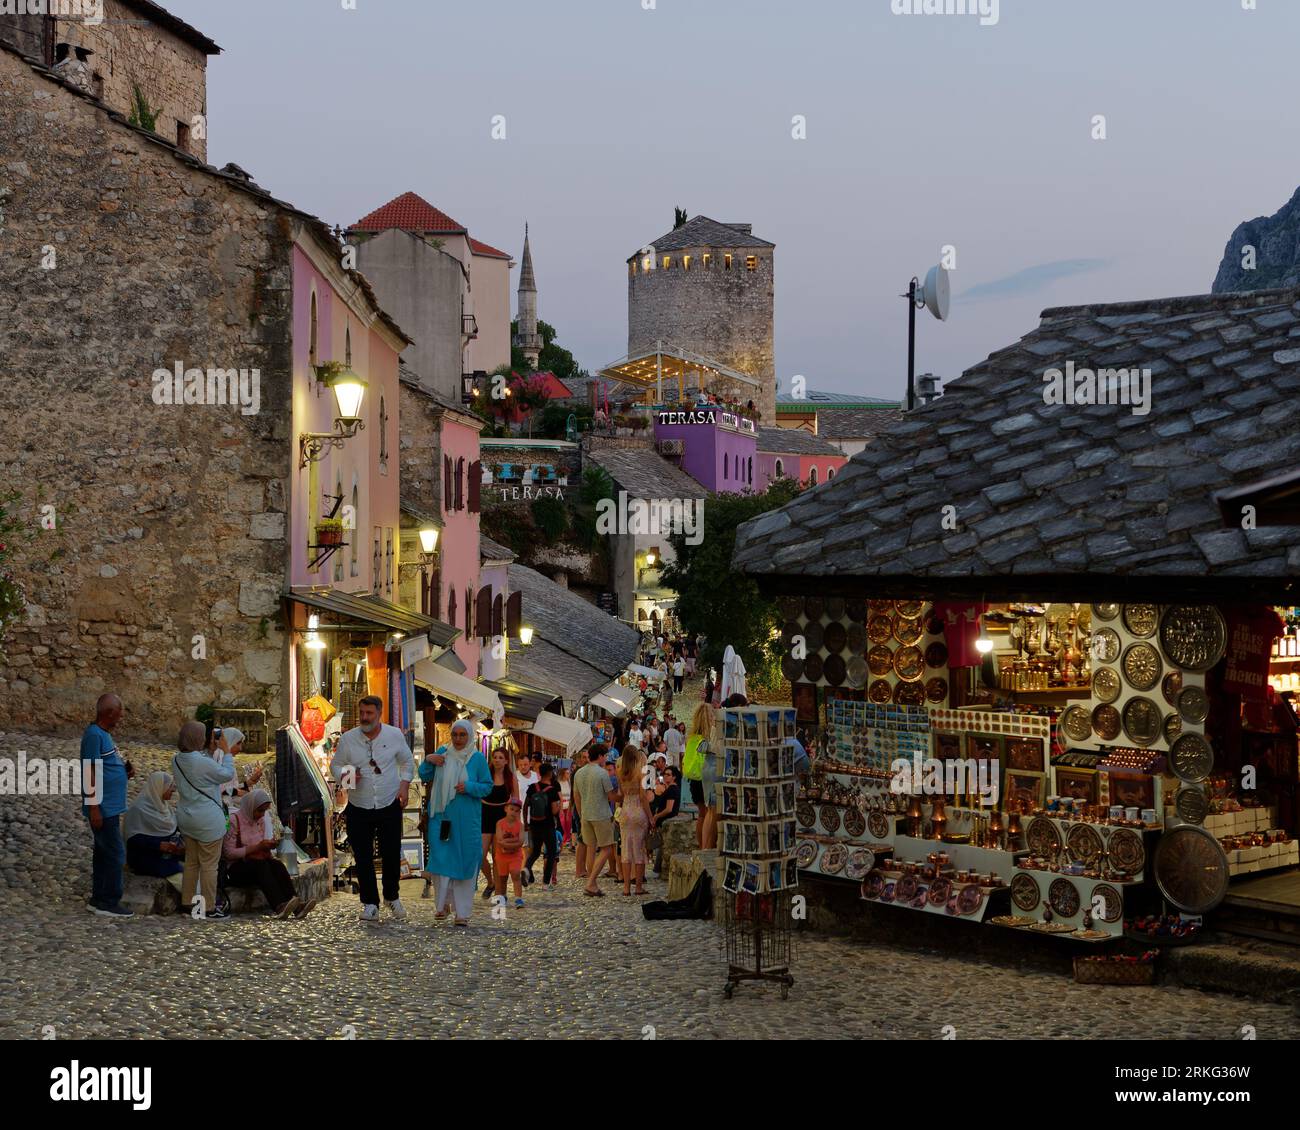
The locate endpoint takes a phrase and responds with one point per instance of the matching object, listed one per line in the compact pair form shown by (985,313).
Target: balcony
(468,327)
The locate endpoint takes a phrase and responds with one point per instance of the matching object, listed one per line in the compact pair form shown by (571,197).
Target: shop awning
(657,595)
(367,609)
(651,675)
(571,734)
(521,700)
(470,694)
(614,698)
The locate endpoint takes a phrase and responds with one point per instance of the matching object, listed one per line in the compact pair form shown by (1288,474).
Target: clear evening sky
(921,131)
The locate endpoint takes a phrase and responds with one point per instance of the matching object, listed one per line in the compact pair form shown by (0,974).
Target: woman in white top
(230,743)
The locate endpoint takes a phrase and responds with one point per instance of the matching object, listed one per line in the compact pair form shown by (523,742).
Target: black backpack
(539,806)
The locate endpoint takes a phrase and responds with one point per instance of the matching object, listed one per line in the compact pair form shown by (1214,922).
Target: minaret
(527,338)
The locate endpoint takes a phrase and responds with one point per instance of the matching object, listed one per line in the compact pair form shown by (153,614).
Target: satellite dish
(934,294)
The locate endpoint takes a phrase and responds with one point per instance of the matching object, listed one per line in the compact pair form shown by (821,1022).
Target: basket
(1107,971)
(251,722)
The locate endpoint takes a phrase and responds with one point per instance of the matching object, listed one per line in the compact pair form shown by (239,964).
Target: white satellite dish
(934,294)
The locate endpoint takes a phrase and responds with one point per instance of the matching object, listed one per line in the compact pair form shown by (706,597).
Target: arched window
(469,612)
(451,607)
(383,433)
(347,347)
(352,535)
(312,356)
(812,476)
(780,468)
(338,557)
(830,473)
(749,471)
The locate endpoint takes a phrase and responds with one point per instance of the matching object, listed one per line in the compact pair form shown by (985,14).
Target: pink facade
(719,451)
(495,576)
(458,552)
(808,469)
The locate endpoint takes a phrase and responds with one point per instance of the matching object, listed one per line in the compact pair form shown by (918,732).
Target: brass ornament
(1141,619)
(1142,721)
(1194,636)
(1142,666)
(1105,684)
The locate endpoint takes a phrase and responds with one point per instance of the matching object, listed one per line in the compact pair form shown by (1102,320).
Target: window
(451,606)
(631,267)
(749,472)
(812,476)
(498,613)
(338,557)
(347,347)
(376,561)
(647,264)
(780,468)
(312,358)
(751,262)
(725,459)
(830,473)
(706,260)
(668,261)
(182,136)
(459,500)
(686,262)
(383,436)
(388,561)
(351,533)
(475,486)
(726,262)
(469,612)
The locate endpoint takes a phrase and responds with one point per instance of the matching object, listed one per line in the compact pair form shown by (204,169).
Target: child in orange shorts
(508,850)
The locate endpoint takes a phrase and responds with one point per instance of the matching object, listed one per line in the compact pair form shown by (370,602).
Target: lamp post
(349,389)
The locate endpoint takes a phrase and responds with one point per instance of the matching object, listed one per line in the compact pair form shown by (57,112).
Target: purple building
(717,449)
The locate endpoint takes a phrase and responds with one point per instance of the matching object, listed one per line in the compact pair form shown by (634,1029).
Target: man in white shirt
(635,736)
(525,775)
(674,746)
(374,764)
(679,673)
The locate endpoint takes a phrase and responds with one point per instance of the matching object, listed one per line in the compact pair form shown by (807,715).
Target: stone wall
(725,315)
(170,517)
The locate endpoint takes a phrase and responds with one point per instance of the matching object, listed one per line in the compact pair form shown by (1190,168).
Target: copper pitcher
(1013,829)
(938,818)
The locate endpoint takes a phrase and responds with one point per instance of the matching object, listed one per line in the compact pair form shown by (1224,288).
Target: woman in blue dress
(460,779)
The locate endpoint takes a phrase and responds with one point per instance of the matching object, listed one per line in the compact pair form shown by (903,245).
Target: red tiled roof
(481,248)
(410,212)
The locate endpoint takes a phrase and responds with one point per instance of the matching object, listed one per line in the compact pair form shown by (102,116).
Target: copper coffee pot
(1013,828)
(995,829)
(914,817)
(938,818)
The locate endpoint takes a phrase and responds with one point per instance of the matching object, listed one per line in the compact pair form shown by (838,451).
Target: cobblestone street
(564,966)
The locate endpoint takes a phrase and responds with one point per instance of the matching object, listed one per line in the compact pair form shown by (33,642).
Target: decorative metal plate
(813,634)
(1024,892)
(790,631)
(835,637)
(880,629)
(1125,851)
(936,689)
(834,670)
(1191,758)
(909,609)
(936,655)
(856,610)
(791,667)
(1141,619)
(1105,645)
(813,607)
(1083,843)
(856,672)
(873,885)
(880,659)
(791,607)
(1105,684)
(909,694)
(834,607)
(883,606)
(1193,705)
(1142,721)
(805,813)
(909,664)
(1075,724)
(830,818)
(878,825)
(880,691)
(861,860)
(812,668)
(857,638)
(806,852)
(1105,611)
(1042,838)
(855,822)
(1112,902)
(1171,685)
(940,889)
(908,631)
(1191,804)
(969,899)
(833,859)
(1142,666)
(1106,722)
(1172,728)
(1063,896)
(1193,635)
(906,889)
(1191,869)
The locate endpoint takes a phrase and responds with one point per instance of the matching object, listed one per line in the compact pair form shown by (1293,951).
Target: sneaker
(396,909)
(370,913)
(218,914)
(488,892)
(530,880)
(519,902)
(118,911)
(306,908)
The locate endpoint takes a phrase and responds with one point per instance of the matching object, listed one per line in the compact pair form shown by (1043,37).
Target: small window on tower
(751,262)
(647,264)
(631,267)
(726,262)
(707,260)
(182,136)
(668,261)
(686,262)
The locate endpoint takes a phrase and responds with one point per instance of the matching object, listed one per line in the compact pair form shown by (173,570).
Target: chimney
(927,388)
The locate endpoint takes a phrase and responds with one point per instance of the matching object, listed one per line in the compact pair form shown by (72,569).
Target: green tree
(723,605)
(552,518)
(679,217)
(596,485)
(551,358)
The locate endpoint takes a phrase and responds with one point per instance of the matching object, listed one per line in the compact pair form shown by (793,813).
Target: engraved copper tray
(936,689)
(906,889)
(1172,728)
(909,609)
(1141,620)
(855,609)
(813,607)
(1191,804)
(1125,851)
(1112,904)
(1191,869)
(909,664)
(1171,685)
(936,655)
(1142,721)
(878,825)
(805,813)
(909,694)
(857,638)
(880,629)
(1191,758)
(873,885)
(1105,611)
(861,860)
(830,818)
(856,672)
(791,667)
(806,852)
(1024,892)
(908,631)
(1042,838)
(940,889)
(880,659)
(812,636)
(1193,704)
(1083,843)
(1106,722)
(1194,636)
(1105,684)
(1142,666)
(1105,645)
(880,691)
(1063,896)
(1075,724)
(855,823)
(834,670)
(834,607)
(969,899)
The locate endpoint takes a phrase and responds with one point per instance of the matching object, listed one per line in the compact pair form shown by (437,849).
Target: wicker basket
(1106,971)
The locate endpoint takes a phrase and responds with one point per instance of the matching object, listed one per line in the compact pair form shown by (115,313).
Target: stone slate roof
(813,399)
(794,441)
(156,13)
(857,423)
(700,231)
(644,473)
(1054,491)
(490,550)
(545,664)
(573,625)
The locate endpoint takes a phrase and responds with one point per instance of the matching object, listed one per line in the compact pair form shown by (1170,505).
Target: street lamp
(313,640)
(349,389)
(428,539)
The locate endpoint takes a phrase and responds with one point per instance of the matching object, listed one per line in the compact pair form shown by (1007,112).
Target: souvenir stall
(1066,769)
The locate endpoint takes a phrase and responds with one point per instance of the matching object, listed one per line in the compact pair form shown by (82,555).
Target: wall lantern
(525,635)
(349,389)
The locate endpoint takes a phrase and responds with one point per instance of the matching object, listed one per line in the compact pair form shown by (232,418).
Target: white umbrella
(733,674)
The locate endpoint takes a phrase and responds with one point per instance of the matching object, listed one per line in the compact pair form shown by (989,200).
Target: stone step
(145,894)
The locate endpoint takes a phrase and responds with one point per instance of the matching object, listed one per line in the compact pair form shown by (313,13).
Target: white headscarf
(149,814)
(452,772)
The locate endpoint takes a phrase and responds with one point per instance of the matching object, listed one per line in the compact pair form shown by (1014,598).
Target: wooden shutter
(483,611)
(469,612)
(451,607)
(475,482)
(435,593)
(460,483)
(498,614)
(446,483)
(514,614)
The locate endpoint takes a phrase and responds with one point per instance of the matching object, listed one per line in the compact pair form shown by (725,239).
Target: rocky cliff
(1276,240)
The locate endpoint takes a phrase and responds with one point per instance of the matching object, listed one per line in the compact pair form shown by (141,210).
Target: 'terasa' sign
(703,416)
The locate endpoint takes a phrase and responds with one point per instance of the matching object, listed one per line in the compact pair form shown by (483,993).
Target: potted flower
(329,531)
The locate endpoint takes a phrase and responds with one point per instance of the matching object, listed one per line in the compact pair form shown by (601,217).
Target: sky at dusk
(922,131)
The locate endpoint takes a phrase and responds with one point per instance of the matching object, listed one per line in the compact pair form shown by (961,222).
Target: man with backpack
(542,805)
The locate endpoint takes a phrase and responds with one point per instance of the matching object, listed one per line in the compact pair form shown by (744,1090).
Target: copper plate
(969,899)
(909,664)
(1193,635)
(1191,804)
(1042,838)
(813,606)
(909,694)
(878,825)
(1141,620)
(1105,684)
(1171,685)
(830,818)
(1105,611)
(805,814)
(812,668)
(880,691)
(1063,897)
(1105,645)
(812,636)
(855,823)
(873,885)
(880,659)
(1191,758)
(861,860)
(790,630)
(936,689)
(1142,721)
(1142,666)
(1024,892)
(1193,704)
(835,637)
(882,606)
(856,610)
(936,655)
(834,670)
(791,607)
(834,607)
(906,889)
(940,889)
(806,852)
(1075,724)
(908,631)
(880,629)
(857,637)
(833,859)
(1172,728)
(909,609)
(1125,851)
(1191,869)
(856,672)
(1106,723)
(791,667)
(1112,903)
(1083,843)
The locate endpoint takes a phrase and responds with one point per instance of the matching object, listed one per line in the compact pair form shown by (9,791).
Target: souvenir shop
(1071,769)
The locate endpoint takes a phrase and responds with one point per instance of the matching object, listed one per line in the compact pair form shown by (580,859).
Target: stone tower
(707,287)
(528,339)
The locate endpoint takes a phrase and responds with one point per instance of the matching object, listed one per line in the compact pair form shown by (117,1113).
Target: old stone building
(707,287)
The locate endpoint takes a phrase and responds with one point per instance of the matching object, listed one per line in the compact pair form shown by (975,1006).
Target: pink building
(795,454)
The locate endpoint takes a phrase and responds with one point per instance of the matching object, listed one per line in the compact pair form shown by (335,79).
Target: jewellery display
(1105,684)
(1193,705)
(1142,666)
(1142,721)
(1063,897)
(1191,758)
(1141,619)
(1024,892)
(1194,636)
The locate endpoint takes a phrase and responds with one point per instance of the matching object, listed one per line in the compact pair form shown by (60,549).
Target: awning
(614,698)
(571,734)
(521,700)
(656,595)
(367,609)
(473,696)
(651,675)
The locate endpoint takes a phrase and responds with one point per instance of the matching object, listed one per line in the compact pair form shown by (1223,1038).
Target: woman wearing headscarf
(249,862)
(229,743)
(459,779)
(153,845)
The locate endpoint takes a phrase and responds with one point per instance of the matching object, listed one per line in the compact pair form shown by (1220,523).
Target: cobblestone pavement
(564,965)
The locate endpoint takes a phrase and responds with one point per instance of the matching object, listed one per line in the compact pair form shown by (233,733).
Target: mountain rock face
(1276,240)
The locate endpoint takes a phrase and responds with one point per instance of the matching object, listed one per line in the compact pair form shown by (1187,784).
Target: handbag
(319,702)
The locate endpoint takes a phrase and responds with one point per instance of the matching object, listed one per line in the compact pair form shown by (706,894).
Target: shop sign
(700,416)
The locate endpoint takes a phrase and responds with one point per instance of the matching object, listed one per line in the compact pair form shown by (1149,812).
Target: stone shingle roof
(794,441)
(545,664)
(577,627)
(813,399)
(644,473)
(857,423)
(700,231)
(490,550)
(1059,490)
